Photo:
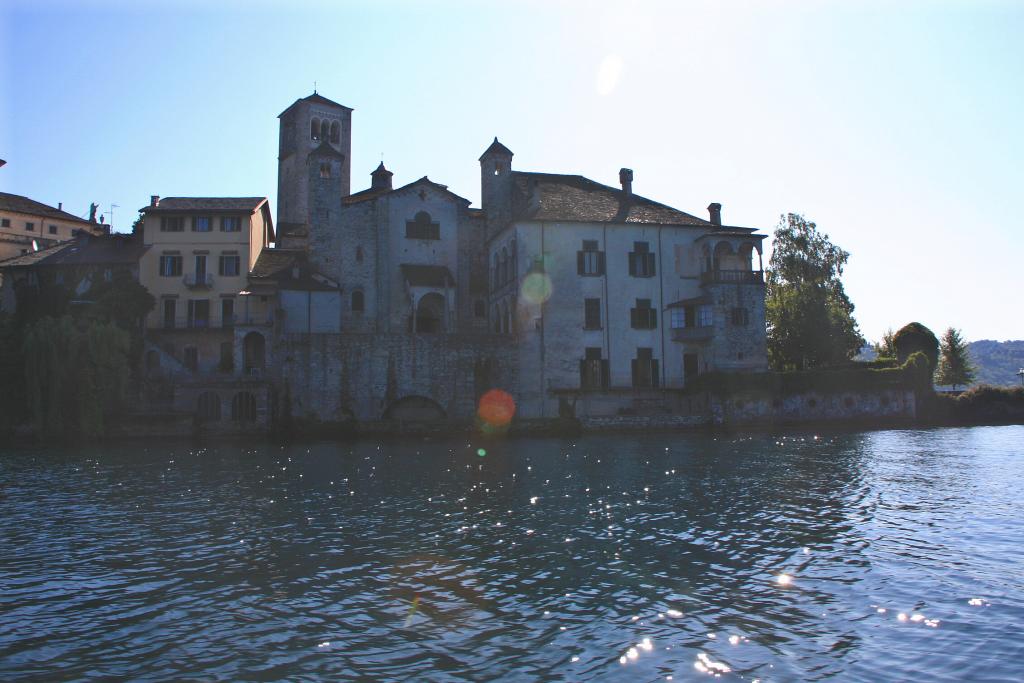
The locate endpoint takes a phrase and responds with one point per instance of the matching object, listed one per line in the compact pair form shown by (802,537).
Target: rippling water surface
(879,556)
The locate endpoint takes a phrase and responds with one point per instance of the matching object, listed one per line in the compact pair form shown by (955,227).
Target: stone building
(575,297)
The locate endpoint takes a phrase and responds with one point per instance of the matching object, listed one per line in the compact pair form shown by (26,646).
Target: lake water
(880,556)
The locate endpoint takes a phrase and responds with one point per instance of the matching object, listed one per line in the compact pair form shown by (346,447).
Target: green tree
(955,366)
(810,318)
(887,347)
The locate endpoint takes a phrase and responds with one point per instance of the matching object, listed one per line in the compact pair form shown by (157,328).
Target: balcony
(692,334)
(198,280)
(738,277)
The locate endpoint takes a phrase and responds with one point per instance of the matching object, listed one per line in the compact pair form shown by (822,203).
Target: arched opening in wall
(243,407)
(414,409)
(325,129)
(746,253)
(430,314)
(705,257)
(254,352)
(208,407)
(152,361)
(314,129)
(504,266)
(357,301)
(335,132)
(723,252)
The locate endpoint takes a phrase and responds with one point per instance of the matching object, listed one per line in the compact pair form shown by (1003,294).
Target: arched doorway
(254,351)
(414,409)
(208,407)
(430,314)
(243,407)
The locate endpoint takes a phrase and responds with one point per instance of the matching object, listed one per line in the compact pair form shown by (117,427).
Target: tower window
(325,170)
(335,132)
(422,228)
(325,130)
(314,130)
(358,303)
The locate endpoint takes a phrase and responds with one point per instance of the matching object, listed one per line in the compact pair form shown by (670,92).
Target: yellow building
(27,225)
(200,251)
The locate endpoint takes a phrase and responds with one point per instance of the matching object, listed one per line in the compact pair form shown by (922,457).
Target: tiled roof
(277,266)
(373,194)
(19,204)
(315,98)
(249,204)
(427,276)
(84,250)
(573,198)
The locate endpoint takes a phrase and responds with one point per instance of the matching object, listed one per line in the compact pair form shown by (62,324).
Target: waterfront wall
(813,406)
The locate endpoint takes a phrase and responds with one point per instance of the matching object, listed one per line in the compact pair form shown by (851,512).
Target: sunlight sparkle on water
(784,579)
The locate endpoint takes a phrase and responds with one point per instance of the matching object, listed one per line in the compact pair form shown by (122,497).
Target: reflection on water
(879,556)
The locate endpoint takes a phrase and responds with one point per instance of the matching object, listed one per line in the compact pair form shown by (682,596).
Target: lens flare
(536,288)
(481,452)
(496,409)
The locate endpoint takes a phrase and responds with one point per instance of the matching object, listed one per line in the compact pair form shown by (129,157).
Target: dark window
(170,265)
(30,226)
(230,264)
(201,223)
(199,313)
(479,308)
(359,254)
(53,229)
(314,129)
(227,312)
(358,303)
(243,407)
(422,228)
(192,358)
(325,170)
(645,369)
(171,224)
(592,314)
(169,313)
(690,367)
(5,222)
(230,224)
(335,132)
(643,317)
(740,317)
(201,276)
(641,260)
(593,370)
(590,261)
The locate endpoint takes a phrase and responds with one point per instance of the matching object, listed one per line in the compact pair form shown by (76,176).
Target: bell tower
(304,126)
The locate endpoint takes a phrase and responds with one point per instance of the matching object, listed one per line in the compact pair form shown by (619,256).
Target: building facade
(27,225)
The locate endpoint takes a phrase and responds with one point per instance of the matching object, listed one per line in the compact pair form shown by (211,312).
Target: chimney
(60,206)
(626,179)
(154,200)
(715,210)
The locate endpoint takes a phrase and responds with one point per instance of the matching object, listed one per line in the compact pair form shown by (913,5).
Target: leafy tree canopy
(810,318)
(916,337)
(955,367)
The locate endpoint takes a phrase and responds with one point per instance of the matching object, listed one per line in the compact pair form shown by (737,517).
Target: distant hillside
(997,363)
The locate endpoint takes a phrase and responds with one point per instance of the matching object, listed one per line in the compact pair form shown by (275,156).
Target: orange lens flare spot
(496,408)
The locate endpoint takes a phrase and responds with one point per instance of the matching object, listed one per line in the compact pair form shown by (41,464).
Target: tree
(810,318)
(955,366)
(887,347)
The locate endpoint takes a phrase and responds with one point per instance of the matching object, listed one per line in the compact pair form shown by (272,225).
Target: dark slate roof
(315,98)
(496,148)
(276,266)
(573,198)
(84,250)
(19,204)
(169,204)
(427,276)
(373,194)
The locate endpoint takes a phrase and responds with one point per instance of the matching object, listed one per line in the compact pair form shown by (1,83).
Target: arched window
(208,407)
(504,265)
(513,269)
(314,129)
(422,227)
(243,407)
(335,132)
(325,129)
(357,301)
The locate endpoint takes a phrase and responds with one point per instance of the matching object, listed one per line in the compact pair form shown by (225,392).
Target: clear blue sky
(899,130)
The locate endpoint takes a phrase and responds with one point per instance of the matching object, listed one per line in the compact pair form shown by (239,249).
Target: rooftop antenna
(112,207)
(314,87)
